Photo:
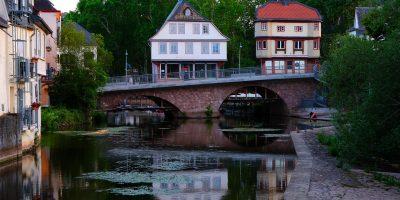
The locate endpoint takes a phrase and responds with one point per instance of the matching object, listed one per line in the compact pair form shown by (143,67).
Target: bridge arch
(255,94)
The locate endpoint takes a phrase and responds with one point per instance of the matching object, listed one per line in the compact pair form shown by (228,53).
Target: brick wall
(194,100)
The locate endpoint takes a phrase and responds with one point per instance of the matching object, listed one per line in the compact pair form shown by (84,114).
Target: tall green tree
(363,79)
(77,84)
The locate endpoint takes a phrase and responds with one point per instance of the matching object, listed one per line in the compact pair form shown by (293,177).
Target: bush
(209,112)
(61,119)
(331,141)
(99,118)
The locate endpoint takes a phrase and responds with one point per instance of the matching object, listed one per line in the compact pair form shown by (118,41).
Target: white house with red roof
(187,46)
(288,35)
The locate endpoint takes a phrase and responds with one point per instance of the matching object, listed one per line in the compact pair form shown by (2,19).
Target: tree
(77,84)
(363,79)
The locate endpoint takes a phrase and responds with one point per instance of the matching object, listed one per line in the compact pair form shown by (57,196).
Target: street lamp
(126,66)
(240,50)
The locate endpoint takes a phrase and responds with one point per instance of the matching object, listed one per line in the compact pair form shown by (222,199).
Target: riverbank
(327,181)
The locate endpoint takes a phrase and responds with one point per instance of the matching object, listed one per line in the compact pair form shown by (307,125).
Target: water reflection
(154,159)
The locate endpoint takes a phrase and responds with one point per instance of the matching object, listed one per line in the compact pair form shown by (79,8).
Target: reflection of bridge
(193,95)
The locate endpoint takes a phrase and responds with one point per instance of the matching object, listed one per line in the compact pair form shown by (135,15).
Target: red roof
(290,11)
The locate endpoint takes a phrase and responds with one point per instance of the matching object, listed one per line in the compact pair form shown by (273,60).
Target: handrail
(196,75)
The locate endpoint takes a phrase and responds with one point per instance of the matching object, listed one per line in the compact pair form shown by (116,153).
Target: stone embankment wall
(9,132)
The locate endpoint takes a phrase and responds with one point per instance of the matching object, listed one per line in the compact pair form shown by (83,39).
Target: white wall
(214,36)
(3,74)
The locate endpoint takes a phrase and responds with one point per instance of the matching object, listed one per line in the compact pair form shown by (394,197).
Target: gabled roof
(88,35)
(286,10)
(178,13)
(45,6)
(360,13)
(3,14)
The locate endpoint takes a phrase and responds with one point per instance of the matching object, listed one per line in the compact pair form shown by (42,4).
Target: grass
(387,180)
(331,141)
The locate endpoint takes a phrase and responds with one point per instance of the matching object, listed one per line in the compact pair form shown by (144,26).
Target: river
(139,157)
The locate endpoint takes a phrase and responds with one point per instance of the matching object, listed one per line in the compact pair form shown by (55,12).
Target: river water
(152,158)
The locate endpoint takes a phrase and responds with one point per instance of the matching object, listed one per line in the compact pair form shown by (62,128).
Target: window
(298,28)
(280,44)
(196,28)
(205,49)
(181,28)
(299,65)
(264,26)
(279,65)
(298,45)
(174,48)
(262,45)
(188,12)
(189,47)
(316,26)
(172,28)
(163,48)
(316,44)
(268,65)
(205,29)
(215,48)
(281,28)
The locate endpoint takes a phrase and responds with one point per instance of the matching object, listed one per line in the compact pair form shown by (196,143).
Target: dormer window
(188,12)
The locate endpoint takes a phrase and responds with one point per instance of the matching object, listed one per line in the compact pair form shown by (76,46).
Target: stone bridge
(193,97)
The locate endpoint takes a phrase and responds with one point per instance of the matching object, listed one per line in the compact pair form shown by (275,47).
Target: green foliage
(209,112)
(387,180)
(363,79)
(380,22)
(76,86)
(331,141)
(99,118)
(61,119)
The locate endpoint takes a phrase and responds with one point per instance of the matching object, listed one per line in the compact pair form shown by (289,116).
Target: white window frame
(298,45)
(268,65)
(188,47)
(181,28)
(216,48)
(163,48)
(301,65)
(264,26)
(279,65)
(196,28)
(205,48)
(173,29)
(174,48)
(316,44)
(279,46)
(316,26)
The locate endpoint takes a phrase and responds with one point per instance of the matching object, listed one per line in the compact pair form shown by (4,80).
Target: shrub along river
(148,157)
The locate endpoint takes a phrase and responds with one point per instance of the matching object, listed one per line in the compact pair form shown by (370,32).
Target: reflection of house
(52,17)
(187,46)
(211,184)
(288,37)
(273,178)
(358,29)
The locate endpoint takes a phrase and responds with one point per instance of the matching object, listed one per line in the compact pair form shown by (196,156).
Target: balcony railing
(233,73)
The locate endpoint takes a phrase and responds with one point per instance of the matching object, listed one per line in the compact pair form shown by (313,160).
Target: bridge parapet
(184,79)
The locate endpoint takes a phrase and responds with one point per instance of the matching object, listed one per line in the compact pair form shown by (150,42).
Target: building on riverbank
(46,10)
(187,46)
(22,63)
(288,36)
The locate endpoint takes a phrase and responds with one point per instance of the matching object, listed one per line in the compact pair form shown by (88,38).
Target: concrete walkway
(317,176)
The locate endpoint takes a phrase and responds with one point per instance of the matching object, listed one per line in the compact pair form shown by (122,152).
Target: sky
(65,5)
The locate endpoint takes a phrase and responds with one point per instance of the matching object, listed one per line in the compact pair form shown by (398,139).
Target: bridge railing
(187,76)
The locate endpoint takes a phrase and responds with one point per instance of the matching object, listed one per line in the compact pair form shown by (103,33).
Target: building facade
(22,59)
(187,46)
(288,36)
(4,102)
(52,17)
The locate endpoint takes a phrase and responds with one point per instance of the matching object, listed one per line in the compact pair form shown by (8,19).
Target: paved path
(329,182)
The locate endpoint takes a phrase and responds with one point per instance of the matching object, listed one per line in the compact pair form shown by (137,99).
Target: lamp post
(126,66)
(240,50)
